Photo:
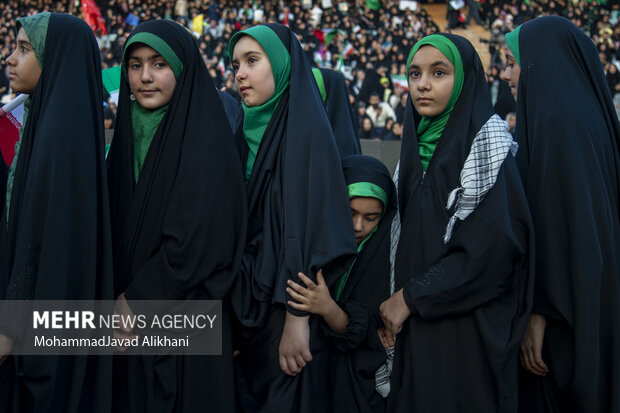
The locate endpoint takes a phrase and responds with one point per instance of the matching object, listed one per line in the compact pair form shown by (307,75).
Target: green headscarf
(368,190)
(512,40)
(145,122)
(431,128)
(35,27)
(256,118)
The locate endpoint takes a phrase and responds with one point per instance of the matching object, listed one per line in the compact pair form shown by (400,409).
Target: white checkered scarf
(479,173)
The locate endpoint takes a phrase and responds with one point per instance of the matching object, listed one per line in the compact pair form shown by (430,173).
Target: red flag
(9,128)
(92,16)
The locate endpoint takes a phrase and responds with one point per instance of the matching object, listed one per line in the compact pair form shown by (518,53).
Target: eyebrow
(434,64)
(249,52)
(23,42)
(368,214)
(153,57)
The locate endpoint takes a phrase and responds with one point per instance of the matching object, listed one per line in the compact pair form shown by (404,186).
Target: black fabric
(570,162)
(370,85)
(470,299)
(3,176)
(58,243)
(340,113)
(505,101)
(299,221)
(359,352)
(232,109)
(179,230)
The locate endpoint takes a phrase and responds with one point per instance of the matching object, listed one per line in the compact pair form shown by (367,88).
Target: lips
(424,100)
(244,89)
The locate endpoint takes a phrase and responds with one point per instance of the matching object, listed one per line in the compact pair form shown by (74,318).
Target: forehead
(246,44)
(142,50)
(429,55)
(22,36)
(366,205)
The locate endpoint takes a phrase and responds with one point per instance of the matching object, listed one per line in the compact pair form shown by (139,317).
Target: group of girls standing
(280,218)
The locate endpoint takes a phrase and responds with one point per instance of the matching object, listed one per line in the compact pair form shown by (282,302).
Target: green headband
(160,46)
(367,189)
(512,40)
(35,27)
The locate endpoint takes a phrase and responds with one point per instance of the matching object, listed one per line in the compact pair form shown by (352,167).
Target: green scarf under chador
(512,40)
(257,118)
(430,128)
(144,122)
(357,189)
(35,27)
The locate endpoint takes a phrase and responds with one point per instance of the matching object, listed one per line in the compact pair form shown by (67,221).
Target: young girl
(298,221)
(55,241)
(178,212)
(463,260)
(351,311)
(570,159)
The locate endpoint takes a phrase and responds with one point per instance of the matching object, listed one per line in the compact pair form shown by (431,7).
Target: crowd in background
(362,38)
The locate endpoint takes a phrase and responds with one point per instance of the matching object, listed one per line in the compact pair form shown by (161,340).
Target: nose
(357,223)
(506,74)
(241,74)
(423,83)
(146,76)
(11,59)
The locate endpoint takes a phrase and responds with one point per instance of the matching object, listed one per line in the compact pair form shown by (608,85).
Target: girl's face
(431,79)
(367,124)
(24,70)
(151,79)
(511,73)
(253,74)
(366,213)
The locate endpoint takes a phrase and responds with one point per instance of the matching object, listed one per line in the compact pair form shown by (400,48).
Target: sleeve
(358,327)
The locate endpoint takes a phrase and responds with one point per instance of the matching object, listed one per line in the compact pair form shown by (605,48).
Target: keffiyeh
(488,151)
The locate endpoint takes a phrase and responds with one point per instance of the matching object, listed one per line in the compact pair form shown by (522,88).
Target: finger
(292,365)
(533,367)
(301,363)
(297,287)
(307,355)
(236,353)
(297,306)
(309,283)
(524,360)
(540,364)
(296,296)
(319,277)
(391,340)
(383,338)
(284,366)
